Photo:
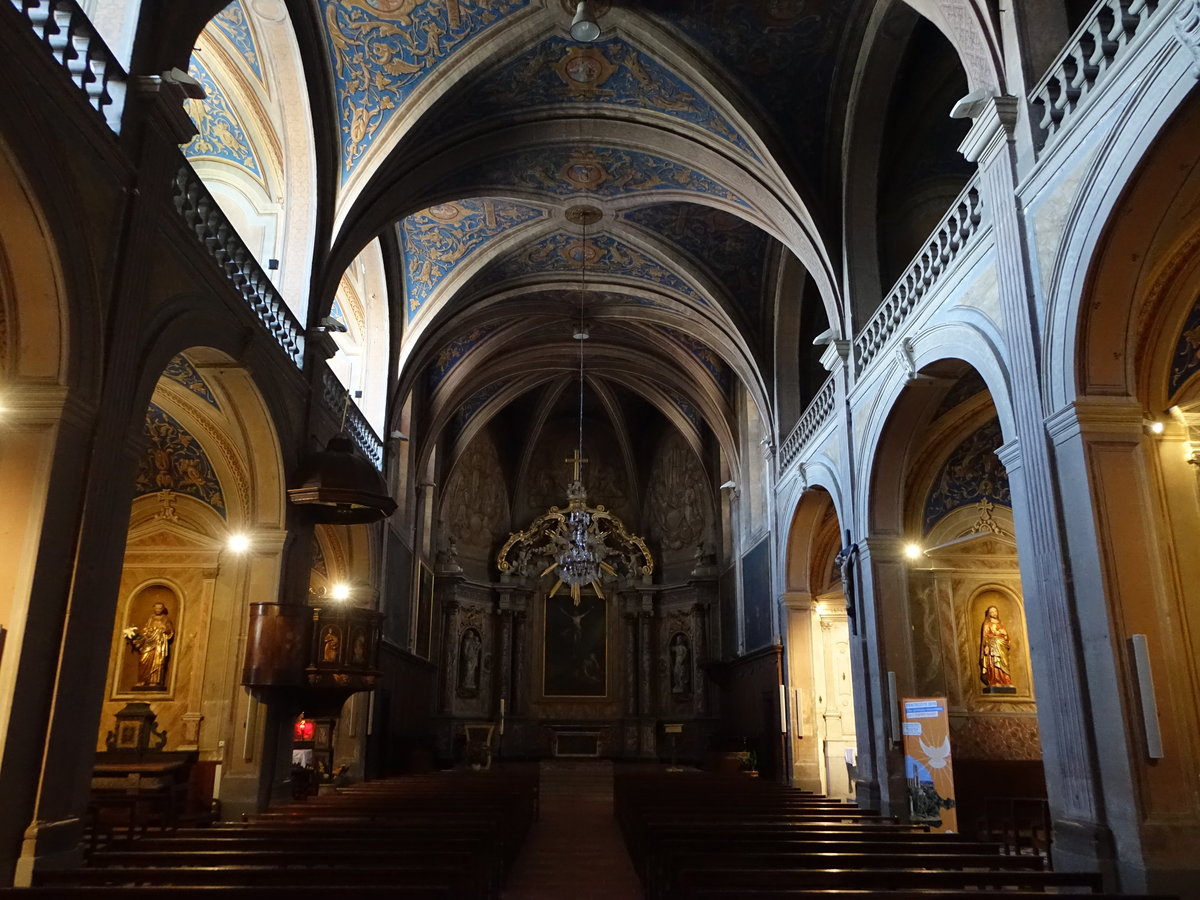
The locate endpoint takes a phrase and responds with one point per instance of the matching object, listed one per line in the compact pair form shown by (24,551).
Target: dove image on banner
(925,727)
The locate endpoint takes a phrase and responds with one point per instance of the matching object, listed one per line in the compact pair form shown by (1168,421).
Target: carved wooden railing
(814,416)
(356,426)
(1105,36)
(950,236)
(72,41)
(204,217)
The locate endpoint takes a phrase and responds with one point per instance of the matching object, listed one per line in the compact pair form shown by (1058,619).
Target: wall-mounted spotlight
(398,436)
(729,485)
(584,27)
(238,543)
(913,551)
(340,591)
(1153,426)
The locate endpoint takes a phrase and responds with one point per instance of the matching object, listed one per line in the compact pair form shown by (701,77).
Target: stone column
(699,613)
(523,665)
(881,645)
(504,670)
(1082,838)
(646,706)
(449,653)
(629,619)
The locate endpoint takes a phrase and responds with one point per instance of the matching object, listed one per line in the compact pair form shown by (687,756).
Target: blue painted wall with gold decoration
(562,252)
(181,371)
(233,22)
(608,73)
(437,240)
(973,472)
(383,49)
(600,171)
(731,248)
(174,460)
(221,135)
(452,354)
(707,357)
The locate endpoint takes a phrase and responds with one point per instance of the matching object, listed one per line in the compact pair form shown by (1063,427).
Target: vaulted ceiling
(674,185)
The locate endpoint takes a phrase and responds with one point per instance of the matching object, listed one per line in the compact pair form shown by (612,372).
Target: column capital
(1114,417)
(993,126)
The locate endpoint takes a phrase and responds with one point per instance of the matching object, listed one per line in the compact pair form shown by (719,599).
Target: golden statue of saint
(994,670)
(153,645)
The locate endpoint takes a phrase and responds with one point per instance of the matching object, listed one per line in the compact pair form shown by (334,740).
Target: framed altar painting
(575,647)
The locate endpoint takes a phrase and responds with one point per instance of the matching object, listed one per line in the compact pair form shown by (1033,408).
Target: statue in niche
(994,670)
(681,670)
(470,652)
(331,643)
(152,643)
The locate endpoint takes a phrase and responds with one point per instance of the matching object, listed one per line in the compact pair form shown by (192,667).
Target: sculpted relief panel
(548,474)
(475,510)
(678,510)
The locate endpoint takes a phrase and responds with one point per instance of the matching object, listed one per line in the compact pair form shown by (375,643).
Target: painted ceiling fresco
(475,403)
(606,255)
(607,73)
(973,472)
(235,25)
(599,299)
(708,358)
(381,50)
(688,410)
(600,171)
(437,240)
(181,371)
(781,51)
(1187,351)
(221,136)
(452,354)
(175,461)
(731,248)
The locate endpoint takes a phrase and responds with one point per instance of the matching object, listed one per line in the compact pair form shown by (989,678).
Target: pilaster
(1082,838)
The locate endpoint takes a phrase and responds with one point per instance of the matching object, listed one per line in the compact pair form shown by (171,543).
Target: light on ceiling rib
(238,543)
(584,27)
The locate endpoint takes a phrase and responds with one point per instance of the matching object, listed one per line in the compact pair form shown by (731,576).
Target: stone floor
(575,850)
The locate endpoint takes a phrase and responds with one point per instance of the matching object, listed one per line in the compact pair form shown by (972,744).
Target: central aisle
(575,849)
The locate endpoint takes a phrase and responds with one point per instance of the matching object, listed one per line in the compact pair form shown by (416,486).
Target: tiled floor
(575,851)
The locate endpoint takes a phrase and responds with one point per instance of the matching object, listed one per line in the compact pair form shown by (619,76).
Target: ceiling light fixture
(576,542)
(584,27)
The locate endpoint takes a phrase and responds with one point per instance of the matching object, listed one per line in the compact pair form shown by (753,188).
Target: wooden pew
(723,838)
(441,836)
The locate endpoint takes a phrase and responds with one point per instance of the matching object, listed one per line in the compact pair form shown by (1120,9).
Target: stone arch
(34,373)
(1133,346)
(971,28)
(818,652)
(1147,155)
(903,168)
(903,397)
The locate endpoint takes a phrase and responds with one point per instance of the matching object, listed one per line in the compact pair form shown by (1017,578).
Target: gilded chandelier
(577,539)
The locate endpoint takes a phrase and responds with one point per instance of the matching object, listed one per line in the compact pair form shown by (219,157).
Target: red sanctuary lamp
(303,730)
